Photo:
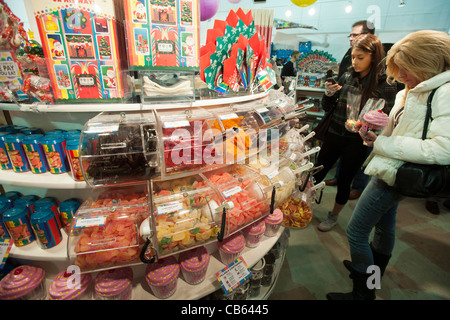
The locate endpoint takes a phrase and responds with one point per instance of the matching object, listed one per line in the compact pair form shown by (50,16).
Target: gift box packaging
(81,42)
(162,34)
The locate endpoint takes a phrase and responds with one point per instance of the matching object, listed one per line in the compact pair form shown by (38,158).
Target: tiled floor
(418,270)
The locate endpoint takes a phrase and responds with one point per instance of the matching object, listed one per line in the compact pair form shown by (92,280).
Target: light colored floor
(418,270)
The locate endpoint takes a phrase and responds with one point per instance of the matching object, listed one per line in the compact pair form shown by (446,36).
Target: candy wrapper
(235,55)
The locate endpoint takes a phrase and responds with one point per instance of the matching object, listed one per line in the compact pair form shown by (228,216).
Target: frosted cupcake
(23,283)
(60,288)
(162,277)
(194,264)
(253,233)
(114,284)
(230,248)
(273,222)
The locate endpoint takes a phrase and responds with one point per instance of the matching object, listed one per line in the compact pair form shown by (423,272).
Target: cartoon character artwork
(109,77)
(187,44)
(139,11)
(56,47)
(165,13)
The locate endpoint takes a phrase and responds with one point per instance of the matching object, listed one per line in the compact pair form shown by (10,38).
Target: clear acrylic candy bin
(105,230)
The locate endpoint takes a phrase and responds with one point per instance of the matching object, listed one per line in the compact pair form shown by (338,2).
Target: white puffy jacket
(403,143)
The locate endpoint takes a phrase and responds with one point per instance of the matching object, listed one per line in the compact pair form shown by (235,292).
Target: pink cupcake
(61,287)
(162,277)
(253,233)
(194,264)
(23,283)
(273,222)
(114,284)
(231,247)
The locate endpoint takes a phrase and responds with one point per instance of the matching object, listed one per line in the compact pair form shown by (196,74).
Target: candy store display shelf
(43,180)
(55,259)
(99,107)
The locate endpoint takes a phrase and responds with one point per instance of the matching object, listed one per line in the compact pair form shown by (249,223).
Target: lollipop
(374,120)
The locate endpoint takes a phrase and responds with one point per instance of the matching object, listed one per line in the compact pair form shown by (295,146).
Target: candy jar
(162,277)
(114,284)
(23,283)
(61,287)
(194,264)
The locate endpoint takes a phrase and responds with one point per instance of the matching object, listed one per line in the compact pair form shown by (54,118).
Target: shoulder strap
(428,115)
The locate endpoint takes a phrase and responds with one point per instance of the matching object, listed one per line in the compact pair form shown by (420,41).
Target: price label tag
(176,124)
(169,207)
(272,174)
(233,275)
(87,222)
(228,116)
(228,193)
(5,248)
(261,110)
(293,156)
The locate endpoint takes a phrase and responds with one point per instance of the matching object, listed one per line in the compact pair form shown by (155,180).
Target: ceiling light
(349,7)
(402,3)
(288,13)
(312,11)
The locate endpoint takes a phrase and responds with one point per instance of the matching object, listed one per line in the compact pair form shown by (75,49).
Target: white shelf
(99,107)
(55,259)
(40,180)
(33,252)
(310,89)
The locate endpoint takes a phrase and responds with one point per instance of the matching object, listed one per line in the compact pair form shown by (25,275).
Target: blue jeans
(376,208)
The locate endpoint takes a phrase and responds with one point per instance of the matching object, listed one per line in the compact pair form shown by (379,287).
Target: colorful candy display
(108,237)
(296,212)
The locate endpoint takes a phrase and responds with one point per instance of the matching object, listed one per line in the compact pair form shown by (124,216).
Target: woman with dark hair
(367,78)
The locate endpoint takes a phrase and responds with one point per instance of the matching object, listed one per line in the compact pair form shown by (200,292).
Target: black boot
(379,259)
(360,290)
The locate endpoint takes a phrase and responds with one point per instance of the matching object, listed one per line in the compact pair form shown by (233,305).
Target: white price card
(228,193)
(86,222)
(169,207)
(262,110)
(5,247)
(228,116)
(233,275)
(272,174)
(176,124)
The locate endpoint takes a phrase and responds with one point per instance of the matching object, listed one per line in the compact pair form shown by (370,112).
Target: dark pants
(352,153)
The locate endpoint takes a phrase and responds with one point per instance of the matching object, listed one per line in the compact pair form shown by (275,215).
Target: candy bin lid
(119,148)
(104,233)
(240,132)
(242,194)
(188,138)
(185,213)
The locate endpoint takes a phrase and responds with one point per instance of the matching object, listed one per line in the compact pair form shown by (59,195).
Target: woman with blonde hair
(421,61)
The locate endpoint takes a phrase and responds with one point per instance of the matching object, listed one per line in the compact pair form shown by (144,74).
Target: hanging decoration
(284,24)
(208,8)
(303,3)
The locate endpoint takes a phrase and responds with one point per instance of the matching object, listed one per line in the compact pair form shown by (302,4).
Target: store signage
(233,275)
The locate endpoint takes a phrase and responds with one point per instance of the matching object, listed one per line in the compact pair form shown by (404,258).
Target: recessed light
(349,7)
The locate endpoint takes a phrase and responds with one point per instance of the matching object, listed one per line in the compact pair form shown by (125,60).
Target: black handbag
(322,128)
(423,180)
